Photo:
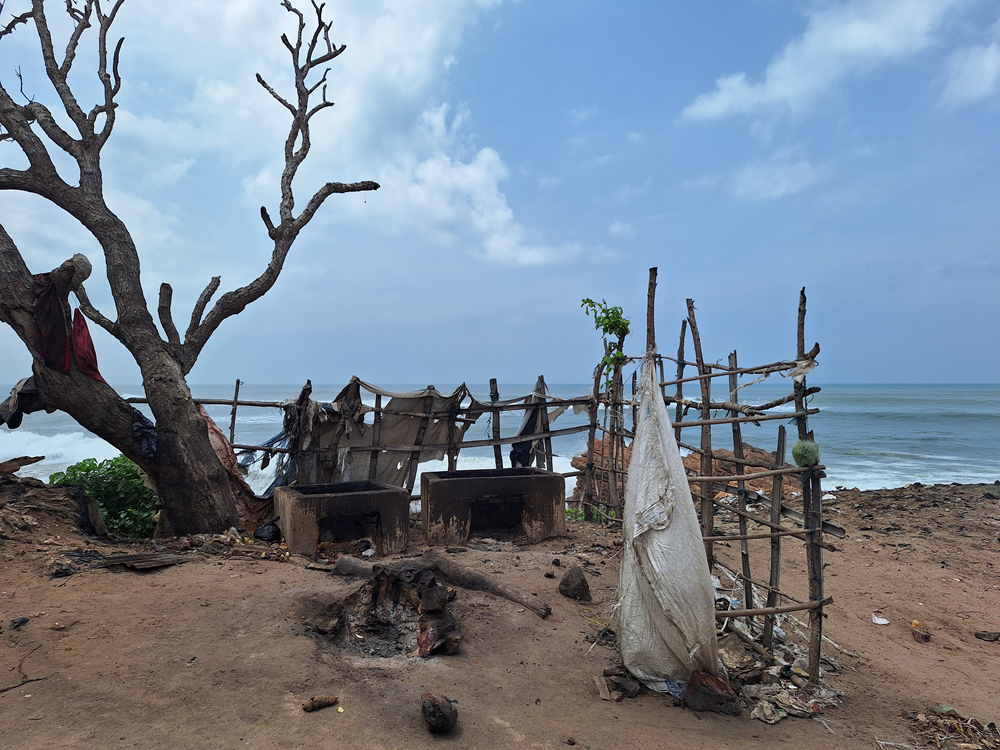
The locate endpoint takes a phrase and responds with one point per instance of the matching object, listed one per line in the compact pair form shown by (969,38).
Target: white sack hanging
(666,604)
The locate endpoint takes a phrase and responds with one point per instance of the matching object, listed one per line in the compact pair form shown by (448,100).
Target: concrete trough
(454,504)
(310,514)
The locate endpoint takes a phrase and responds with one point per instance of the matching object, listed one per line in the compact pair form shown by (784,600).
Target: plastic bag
(268,532)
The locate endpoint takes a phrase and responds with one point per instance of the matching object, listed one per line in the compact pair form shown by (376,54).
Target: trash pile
(943,727)
(778,690)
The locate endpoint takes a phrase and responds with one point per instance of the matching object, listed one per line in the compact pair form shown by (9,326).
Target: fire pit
(492,501)
(310,514)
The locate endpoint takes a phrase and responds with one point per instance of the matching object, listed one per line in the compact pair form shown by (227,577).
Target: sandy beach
(221,651)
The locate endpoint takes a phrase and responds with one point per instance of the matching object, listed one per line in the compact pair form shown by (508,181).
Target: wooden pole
(650,309)
(414,465)
(800,354)
(707,506)
(376,439)
(774,579)
(232,419)
(590,482)
(814,521)
(635,406)
(543,420)
(494,397)
(741,486)
(614,405)
(679,413)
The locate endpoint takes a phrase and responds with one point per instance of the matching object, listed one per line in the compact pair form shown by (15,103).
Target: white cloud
(783,173)
(839,41)
(582,114)
(625,193)
(391,123)
(544,183)
(621,229)
(634,137)
(703,182)
(973,75)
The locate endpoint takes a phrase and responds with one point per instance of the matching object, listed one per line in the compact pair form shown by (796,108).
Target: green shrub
(118,488)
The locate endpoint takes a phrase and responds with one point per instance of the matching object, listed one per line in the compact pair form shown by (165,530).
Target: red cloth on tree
(83,347)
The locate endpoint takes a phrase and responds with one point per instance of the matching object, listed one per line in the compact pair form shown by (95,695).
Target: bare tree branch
(275,94)
(57,73)
(326,191)
(271,231)
(297,146)
(201,304)
(94,314)
(23,18)
(166,318)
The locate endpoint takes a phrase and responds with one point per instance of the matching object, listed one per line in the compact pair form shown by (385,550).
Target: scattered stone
(18,622)
(574,585)
(440,715)
(629,687)
(920,635)
(319,701)
(708,693)
(556,561)
(986,635)
(549,574)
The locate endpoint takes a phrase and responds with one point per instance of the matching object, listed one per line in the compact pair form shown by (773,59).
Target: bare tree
(190,481)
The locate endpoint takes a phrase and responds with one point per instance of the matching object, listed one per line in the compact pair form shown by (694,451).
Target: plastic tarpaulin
(666,604)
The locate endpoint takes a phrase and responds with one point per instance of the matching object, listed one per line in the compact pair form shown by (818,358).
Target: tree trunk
(189,479)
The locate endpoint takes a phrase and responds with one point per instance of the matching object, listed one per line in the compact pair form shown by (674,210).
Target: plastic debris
(879,620)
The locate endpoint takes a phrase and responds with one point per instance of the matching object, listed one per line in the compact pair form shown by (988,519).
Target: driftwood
(15,464)
(460,575)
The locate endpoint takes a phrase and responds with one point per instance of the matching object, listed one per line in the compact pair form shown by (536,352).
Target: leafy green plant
(117,486)
(575,514)
(610,321)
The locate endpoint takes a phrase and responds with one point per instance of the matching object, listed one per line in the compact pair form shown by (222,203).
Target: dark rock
(556,561)
(18,622)
(627,686)
(549,574)
(434,599)
(708,693)
(440,715)
(920,635)
(574,585)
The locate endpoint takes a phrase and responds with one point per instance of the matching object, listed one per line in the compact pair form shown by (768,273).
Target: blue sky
(535,153)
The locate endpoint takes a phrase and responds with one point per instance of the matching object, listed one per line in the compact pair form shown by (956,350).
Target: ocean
(870,436)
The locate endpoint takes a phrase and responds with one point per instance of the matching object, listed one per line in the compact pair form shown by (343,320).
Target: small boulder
(574,585)
(440,715)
